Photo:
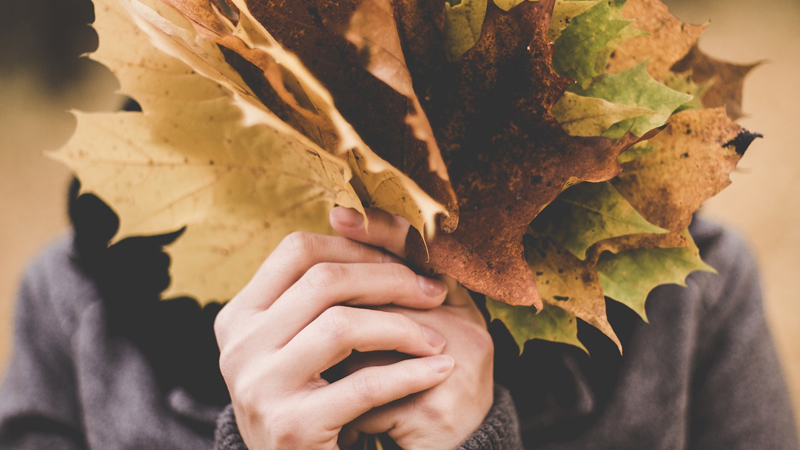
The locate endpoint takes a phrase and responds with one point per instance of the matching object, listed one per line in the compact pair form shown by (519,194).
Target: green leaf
(505,5)
(577,48)
(602,56)
(589,116)
(636,88)
(682,82)
(636,151)
(587,213)
(629,276)
(563,13)
(463,23)
(550,324)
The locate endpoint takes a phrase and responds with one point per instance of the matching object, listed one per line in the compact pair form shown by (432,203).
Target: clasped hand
(316,301)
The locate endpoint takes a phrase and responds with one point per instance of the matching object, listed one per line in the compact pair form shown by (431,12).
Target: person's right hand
(296,318)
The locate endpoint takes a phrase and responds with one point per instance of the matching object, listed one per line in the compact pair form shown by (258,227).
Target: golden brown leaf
(726,80)
(695,156)
(668,39)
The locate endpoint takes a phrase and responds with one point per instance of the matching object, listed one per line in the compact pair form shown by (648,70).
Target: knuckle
(286,431)
(334,324)
(323,276)
(402,274)
(299,243)
(367,387)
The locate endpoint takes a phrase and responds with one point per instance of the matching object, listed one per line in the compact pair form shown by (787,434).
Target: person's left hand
(445,416)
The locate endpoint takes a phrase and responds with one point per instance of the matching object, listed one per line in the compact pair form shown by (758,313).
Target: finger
(329,284)
(385,230)
(340,330)
(297,253)
(352,396)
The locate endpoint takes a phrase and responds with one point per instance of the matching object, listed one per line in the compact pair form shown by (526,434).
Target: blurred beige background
(36,88)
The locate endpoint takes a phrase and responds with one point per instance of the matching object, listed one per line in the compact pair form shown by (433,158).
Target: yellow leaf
(590,116)
(237,177)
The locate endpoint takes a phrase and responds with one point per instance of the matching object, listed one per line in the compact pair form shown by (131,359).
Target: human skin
(318,299)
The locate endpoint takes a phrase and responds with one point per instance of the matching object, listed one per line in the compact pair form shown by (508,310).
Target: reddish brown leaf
(726,79)
(507,156)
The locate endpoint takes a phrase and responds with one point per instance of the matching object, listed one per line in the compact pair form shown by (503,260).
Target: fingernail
(347,217)
(433,337)
(441,363)
(431,287)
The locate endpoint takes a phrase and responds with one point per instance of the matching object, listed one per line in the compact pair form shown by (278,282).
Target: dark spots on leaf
(538,274)
(613,54)
(560,270)
(685,155)
(210,162)
(489,266)
(742,141)
(560,298)
(586,277)
(541,253)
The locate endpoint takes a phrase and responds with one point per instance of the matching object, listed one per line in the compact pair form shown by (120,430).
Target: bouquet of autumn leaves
(547,153)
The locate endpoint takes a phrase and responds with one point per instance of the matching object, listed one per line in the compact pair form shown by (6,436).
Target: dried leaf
(635,87)
(463,25)
(508,157)
(589,116)
(691,165)
(577,48)
(726,80)
(569,283)
(666,42)
(524,323)
(588,213)
(629,276)
(191,159)
(563,13)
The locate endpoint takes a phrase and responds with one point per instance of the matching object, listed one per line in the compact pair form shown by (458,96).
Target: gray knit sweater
(702,375)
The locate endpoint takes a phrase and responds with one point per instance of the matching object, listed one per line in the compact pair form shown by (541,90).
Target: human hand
(447,414)
(296,318)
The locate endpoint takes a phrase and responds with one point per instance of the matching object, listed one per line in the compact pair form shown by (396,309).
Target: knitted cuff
(500,429)
(227,436)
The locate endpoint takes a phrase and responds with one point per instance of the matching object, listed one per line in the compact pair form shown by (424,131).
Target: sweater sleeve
(499,431)
(739,396)
(38,398)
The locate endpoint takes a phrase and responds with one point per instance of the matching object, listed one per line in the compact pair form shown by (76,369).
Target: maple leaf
(667,39)
(589,116)
(507,155)
(696,153)
(464,22)
(369,114)
(569,283)
(192,160)
(588,213)
(725,80)
(524,323)
(647,93)
(577,48)
(629,276)
(563,13)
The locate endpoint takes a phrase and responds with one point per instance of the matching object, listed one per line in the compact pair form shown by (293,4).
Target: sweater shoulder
(55,282)
(727,251)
